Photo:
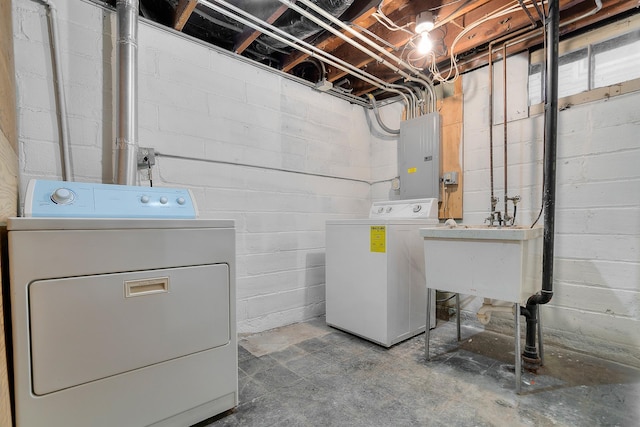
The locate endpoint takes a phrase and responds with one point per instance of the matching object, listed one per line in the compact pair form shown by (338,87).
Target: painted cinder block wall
(596,302)
(197,103)
(203,105)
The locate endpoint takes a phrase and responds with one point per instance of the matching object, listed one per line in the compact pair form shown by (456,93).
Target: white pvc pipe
(304,47)
(333,19)
(65,151)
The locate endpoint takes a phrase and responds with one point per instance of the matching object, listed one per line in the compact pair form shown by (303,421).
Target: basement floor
(310,374)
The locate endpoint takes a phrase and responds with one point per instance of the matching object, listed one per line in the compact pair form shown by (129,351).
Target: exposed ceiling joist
(183,12)
(249,35)
(463,30)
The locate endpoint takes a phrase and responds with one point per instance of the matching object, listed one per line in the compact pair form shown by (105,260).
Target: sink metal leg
(458,315)
(540,347)
(518,356)
(427,326)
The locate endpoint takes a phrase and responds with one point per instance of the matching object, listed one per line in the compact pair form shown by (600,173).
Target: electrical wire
(388,23)
(150,174)
(454,71)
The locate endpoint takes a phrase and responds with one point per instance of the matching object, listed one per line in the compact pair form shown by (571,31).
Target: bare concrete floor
(310,374)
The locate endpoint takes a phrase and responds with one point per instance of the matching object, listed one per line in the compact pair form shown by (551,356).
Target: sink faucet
(494,215)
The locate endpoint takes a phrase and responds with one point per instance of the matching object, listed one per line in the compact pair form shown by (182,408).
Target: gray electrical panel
(419,157)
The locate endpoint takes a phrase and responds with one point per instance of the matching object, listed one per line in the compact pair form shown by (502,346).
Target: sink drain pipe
(531,359)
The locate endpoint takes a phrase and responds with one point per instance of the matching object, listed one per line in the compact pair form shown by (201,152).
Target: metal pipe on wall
(422,80)
(505,214)
(493,199)
(65,151)
(294,42)
(379,119)
(127,92)
(530,354)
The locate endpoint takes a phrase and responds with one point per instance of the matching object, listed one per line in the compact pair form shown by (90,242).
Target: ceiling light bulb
(424,22)
(425,44)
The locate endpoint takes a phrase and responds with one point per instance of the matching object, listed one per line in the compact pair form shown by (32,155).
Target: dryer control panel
(65,199)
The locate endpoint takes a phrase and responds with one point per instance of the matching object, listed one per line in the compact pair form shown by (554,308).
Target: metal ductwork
(127,95)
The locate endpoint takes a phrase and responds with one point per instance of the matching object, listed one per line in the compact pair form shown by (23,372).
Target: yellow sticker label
(412,170)
(378,238)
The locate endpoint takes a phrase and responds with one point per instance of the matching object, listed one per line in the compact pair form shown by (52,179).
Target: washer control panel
(405,209)
(65,199)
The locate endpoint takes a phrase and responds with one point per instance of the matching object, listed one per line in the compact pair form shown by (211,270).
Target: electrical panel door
(419,157)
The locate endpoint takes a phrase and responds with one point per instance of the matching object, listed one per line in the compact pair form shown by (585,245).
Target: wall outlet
(146,157)
(450,178)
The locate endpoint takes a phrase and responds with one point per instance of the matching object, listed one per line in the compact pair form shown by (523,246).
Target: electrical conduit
(357,35)
(379,119)
(65,151)
(300,45)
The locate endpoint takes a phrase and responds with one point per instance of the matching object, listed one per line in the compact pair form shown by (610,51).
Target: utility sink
(503,263)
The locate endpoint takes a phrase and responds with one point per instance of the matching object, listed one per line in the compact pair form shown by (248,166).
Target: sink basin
(503,263)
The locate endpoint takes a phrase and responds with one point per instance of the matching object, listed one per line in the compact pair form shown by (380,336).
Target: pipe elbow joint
(539,299)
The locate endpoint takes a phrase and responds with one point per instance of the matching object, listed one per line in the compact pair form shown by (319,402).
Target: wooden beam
(360,59)
(247,36)
(331,42)
(611,8)
(451,113)
(399,38)
(183,12)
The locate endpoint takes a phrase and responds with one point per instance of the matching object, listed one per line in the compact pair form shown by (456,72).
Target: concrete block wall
(384,147)
(277,157)
(596,303)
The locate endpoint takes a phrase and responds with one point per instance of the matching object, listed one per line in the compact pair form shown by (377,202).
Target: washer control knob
(380,209)
(163,200)
(62,196)
(389,209)
(144,199)
(417,208)
(181,200)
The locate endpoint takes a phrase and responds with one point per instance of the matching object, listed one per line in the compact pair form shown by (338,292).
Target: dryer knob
(163,200)
(181,200)
(417,208)
(62,196)
(144,199)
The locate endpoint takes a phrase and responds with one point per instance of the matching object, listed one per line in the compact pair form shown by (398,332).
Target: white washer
(375,279)
(122,322)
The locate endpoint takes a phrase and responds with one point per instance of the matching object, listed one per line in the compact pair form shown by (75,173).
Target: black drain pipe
(530,355)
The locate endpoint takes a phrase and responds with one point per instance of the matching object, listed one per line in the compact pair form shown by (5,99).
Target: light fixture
(424,24)
(425,44)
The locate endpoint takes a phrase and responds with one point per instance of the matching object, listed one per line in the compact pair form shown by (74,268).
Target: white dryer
(375,278)
(120,321)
